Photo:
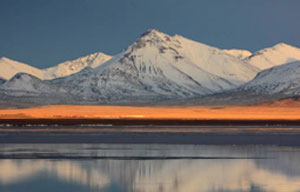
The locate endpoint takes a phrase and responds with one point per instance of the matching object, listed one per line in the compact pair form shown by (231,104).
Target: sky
(43,33)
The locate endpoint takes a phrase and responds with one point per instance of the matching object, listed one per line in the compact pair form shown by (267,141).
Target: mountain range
(157,68)
(66,68)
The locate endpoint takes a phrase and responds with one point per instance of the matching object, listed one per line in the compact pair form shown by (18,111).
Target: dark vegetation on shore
(133,122)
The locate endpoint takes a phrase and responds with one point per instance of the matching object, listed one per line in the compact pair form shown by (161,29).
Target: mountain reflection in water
(235,168)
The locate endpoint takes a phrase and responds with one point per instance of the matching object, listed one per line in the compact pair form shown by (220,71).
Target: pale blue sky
(45,32)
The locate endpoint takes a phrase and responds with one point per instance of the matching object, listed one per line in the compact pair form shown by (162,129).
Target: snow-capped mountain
(239,53)
(283,79)
(159,66)
(70,67)
(9,68)
(273,56)
(29,83)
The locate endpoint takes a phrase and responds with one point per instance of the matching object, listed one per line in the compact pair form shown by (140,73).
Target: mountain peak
(24,76)
(274,47)
(279,54)
(155,35)
(277,79)
(152,37)
(25,82)
(11,67)
(151,32)
(277,46)
(5,59)
(283,45)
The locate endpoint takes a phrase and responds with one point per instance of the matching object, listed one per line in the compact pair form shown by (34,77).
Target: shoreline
(196,135)
(249,125)
(148,122)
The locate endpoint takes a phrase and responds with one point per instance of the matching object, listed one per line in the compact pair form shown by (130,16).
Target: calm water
(148,168)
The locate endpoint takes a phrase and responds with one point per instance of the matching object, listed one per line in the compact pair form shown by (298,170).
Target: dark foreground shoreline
(133,122)
(148,131)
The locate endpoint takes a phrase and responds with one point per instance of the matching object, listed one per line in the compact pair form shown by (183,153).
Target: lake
(148,168)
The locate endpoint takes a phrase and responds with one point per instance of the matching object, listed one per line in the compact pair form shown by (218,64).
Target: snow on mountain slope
(283,79)
(273,56)
(29,83)
(238,53)
(70,67)
(216,62)
(9,68)
(160,66)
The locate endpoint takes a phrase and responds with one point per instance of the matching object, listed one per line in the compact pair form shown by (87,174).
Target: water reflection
(278,171)
(14,171)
